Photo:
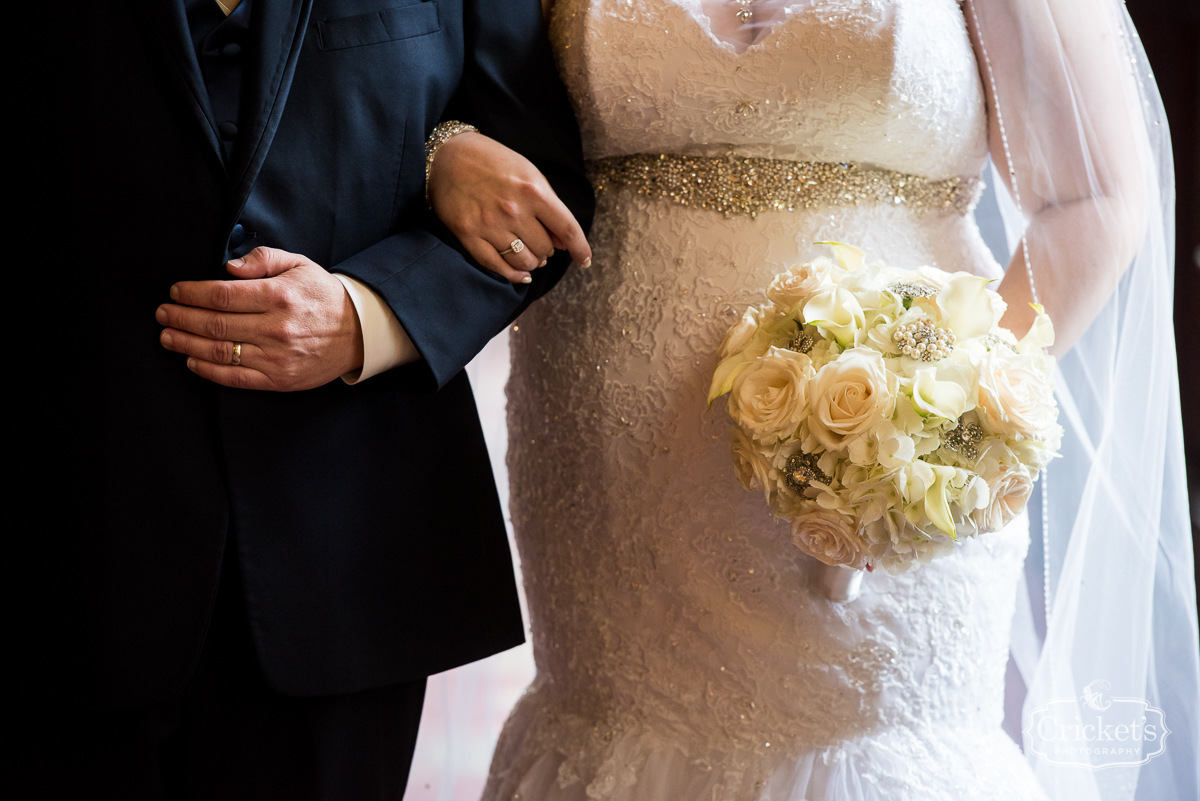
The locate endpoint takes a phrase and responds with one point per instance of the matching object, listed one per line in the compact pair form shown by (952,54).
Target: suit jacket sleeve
(449,305)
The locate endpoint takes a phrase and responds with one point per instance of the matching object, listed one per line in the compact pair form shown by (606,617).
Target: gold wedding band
(516,246)
(237,353)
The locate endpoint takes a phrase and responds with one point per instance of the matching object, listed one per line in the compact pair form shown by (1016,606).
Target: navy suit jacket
(366,519)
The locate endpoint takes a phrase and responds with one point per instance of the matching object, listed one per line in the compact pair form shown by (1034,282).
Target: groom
(266,578)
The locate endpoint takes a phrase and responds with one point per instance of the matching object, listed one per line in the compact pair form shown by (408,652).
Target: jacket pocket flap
(379,26)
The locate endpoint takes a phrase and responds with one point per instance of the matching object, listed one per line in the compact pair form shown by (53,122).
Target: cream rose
(849,396)
(1015,396)
(1009,486)
(830,537)
(769,398)
(798,283)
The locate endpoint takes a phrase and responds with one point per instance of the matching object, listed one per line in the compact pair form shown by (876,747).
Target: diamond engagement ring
(516,246)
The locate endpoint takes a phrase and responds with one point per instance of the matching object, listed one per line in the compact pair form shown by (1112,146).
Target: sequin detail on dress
(745,185)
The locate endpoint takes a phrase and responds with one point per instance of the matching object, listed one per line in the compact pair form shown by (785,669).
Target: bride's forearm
(1079,252)
(1063,105)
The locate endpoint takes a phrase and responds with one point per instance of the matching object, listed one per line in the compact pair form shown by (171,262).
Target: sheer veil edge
(1110,595)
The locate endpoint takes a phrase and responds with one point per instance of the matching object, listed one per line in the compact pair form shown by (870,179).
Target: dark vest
(220,44)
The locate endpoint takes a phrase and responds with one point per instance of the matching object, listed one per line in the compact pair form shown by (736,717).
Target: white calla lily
(937,502)
(849,258)
(966,306)
(945,399)
(1041,334)
(723,376)
(728,369)
(838,312)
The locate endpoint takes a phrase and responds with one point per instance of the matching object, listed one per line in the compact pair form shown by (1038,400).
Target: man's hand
(489,196)
(297,326)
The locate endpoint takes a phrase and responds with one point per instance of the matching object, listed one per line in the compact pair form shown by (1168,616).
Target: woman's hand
(489,196)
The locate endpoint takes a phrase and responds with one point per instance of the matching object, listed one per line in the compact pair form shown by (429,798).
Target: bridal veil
(1110,618)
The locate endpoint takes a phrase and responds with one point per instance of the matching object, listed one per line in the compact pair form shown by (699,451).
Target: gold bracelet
(442,134)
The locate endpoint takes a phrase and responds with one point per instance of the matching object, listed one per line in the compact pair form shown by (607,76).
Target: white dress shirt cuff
(385,343)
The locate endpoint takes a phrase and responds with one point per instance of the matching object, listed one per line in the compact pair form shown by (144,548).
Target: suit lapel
(170,26)
(278,28)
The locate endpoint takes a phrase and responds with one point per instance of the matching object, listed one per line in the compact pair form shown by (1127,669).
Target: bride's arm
(480,188)
(486,194)
(1060,73)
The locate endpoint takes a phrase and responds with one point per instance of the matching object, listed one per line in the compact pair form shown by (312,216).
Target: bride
(683,645)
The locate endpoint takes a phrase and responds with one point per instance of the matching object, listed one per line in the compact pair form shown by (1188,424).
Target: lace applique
(872,81)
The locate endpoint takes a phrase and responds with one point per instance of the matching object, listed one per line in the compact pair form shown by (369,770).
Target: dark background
(1170,32)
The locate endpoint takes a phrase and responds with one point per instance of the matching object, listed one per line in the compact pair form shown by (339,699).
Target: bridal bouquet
(883,412)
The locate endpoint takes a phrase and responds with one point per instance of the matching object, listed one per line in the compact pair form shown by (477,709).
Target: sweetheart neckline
(703,23)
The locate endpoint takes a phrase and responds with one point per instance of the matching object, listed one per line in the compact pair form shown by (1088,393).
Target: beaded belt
(740,185)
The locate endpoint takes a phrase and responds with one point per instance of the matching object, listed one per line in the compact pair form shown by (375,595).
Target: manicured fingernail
(166,338)
(191,364)
(161,315)
(527,279)
(236,262)
(586,263)
(174,291)
(543,264)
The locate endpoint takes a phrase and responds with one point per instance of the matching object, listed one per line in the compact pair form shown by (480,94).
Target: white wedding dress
(682,651)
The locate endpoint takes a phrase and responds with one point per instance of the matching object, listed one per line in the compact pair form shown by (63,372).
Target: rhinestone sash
(742,185)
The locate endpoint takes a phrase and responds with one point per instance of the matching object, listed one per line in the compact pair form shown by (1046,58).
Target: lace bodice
(892,84)
(681,651)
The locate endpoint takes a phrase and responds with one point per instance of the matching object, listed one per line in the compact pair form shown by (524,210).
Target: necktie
(228,5)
